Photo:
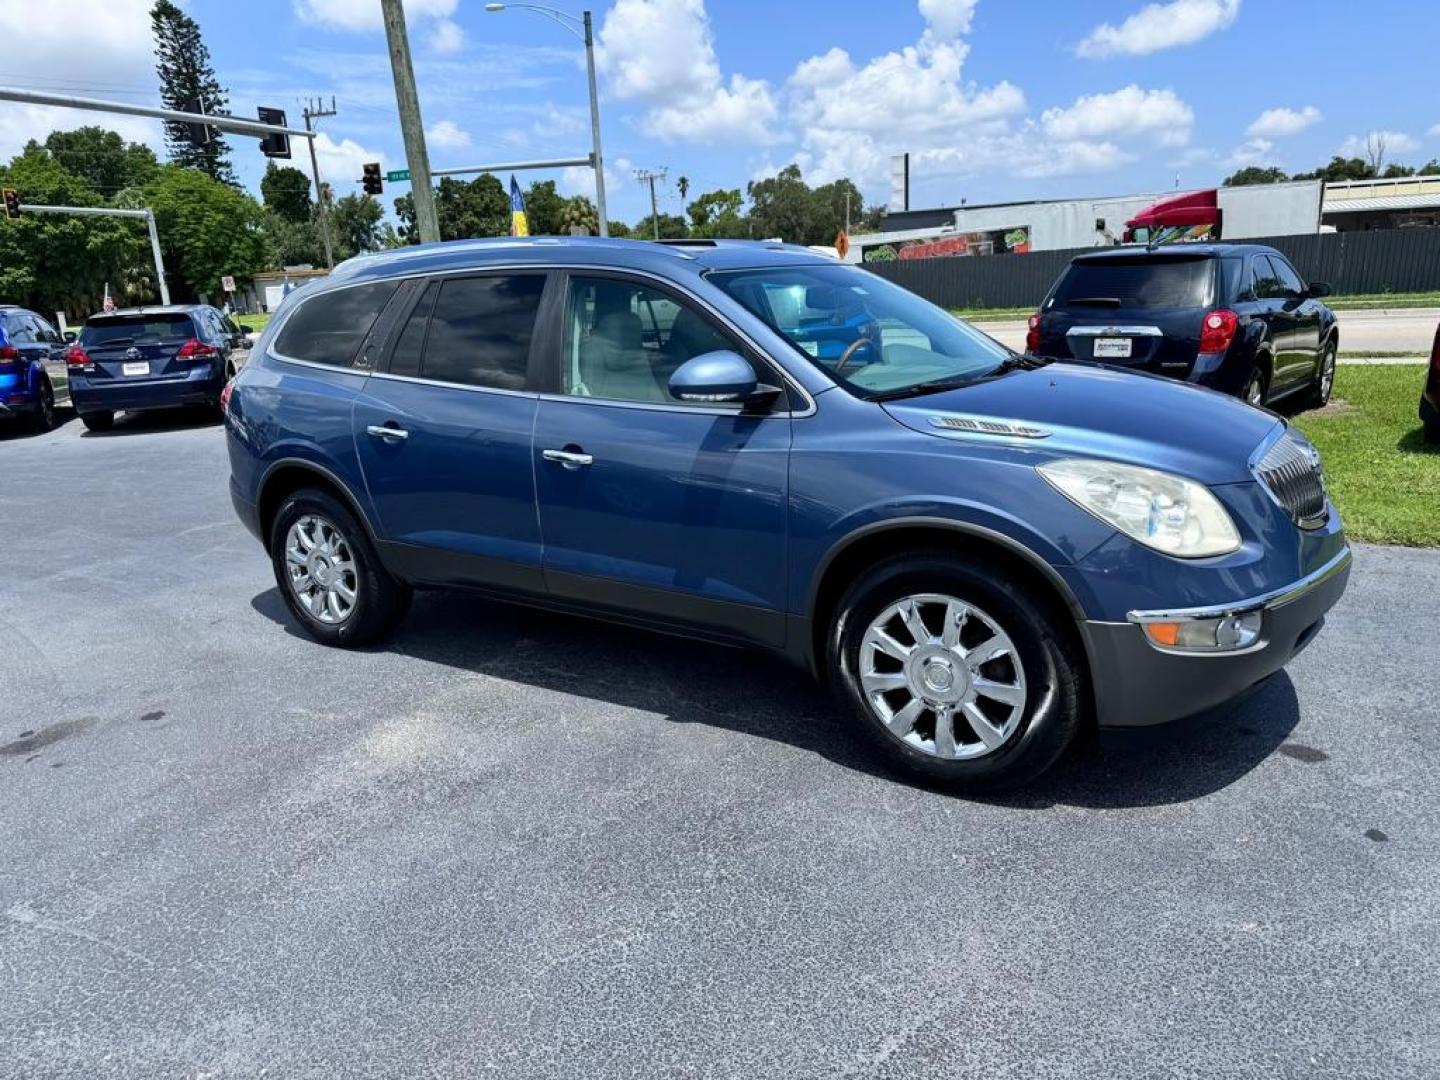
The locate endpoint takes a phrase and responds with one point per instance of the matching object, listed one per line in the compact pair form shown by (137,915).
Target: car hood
(1094,411)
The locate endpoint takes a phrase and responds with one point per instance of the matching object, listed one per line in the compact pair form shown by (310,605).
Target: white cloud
(1159,26)
(1066,159)
(447,135)
(364,14)
(660,54)
(1254,151)
(948,18)
(446,38)
(580,179)
(1434,132)
(1130,111)
(1395,142)
(1277,123)
(342,163)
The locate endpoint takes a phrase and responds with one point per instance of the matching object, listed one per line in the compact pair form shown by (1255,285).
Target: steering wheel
(850,351)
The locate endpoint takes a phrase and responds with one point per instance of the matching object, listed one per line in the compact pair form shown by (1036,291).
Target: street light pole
(597,159)
(408,103)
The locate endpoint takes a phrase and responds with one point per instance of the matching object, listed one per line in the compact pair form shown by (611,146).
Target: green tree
(286,191)
(719,215)
(183,63)
(1430,168)
(579,213)
(1255,174)
(544,209)
(480,207)
(53,262)
(290,243)
(1340,168)
(355,225)
(207,229)
(1395,171)
(785,206)
(672,227)
(102,159)
(618,229)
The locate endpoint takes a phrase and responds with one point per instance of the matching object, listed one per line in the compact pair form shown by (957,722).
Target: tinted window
(1136,283)
(1290,282)
(405,360)
(329,328)
(22,330)
(624,340)
(103,330)
(1265,283)
(480,330)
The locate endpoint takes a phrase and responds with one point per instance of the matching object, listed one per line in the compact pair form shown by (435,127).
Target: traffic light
(12,203)
(274,145)
(371,182)
(197,135)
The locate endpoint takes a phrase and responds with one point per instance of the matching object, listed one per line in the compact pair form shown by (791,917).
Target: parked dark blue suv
(978,551)
(1235,317)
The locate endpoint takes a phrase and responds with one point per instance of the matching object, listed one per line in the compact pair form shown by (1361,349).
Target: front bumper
(201,386)
(1137,683)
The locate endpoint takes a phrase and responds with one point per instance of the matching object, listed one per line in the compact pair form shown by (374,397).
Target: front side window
(480,329)
(873,337)
(1290,283)
(624,340)
(329,328)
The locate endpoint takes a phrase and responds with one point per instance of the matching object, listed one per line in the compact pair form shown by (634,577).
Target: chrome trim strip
(1120,331)
(1266,601)
(448,385)
(994,426)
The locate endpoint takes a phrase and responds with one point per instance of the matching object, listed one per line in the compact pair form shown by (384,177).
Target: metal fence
(1377,261)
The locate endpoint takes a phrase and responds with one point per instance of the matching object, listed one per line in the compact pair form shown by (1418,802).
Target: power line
(649,176)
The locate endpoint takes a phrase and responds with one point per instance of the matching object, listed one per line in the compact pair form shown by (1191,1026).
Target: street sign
(227,283)
(398,174)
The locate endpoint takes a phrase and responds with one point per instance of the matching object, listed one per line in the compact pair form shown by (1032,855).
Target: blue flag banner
(519,225)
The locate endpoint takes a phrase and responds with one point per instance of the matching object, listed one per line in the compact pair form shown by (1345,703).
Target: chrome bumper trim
(1275,599)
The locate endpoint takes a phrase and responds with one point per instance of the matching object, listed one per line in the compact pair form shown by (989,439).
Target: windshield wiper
(1013,362)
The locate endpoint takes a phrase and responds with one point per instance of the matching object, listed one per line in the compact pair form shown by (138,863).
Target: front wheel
(959,673)
(1320,390)
(1254,392)
(44,419)
(329,573)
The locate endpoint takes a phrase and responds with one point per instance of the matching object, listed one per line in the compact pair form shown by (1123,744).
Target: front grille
(1290,471)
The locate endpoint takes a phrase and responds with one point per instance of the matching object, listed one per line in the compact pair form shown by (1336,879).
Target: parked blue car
(139,359)
(979,551)
(33,380)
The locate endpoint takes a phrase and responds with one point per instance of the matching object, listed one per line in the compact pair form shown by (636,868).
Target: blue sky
(995,99)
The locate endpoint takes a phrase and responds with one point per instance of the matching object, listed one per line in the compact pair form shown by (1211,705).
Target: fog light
(1225,634)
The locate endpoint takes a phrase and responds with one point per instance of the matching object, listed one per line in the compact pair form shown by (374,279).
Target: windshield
(873,337)
(129,329)
(1137,283)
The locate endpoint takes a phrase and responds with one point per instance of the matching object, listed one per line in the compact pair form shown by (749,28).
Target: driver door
(672,511)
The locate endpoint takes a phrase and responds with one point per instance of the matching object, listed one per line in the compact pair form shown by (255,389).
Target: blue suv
(978,551)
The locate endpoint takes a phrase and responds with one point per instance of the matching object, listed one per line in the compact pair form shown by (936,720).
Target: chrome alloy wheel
(322,569)
(942,676)
(1327,373)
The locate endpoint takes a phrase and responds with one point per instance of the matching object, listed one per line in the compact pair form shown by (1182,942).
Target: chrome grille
(1290,471)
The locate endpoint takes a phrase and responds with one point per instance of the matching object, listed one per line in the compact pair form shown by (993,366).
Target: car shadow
(19,428)
(758,695)
(143,423)
(1413,442)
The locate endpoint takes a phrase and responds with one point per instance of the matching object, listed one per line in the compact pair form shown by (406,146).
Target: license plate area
(1111,348)
(135,367)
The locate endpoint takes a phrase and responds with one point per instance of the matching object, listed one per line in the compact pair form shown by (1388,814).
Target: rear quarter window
(329,328)
(1138,283)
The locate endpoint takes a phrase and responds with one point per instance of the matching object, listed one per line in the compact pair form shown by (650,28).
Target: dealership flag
(109,304)
(519,226)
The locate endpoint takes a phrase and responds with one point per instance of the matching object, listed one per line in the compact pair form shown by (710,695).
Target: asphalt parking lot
(517,844)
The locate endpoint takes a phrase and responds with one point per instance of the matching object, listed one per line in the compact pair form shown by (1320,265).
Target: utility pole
(649,176)
(408,103)
(314,111)
(847,213)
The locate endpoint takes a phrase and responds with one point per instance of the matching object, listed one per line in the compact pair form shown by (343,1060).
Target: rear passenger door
(443,432)
(1270,298)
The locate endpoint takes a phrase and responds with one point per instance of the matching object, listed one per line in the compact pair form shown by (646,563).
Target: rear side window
(405,360)
(1126,283)
(104,331)
(329,328)
(1265,281)
(480,330)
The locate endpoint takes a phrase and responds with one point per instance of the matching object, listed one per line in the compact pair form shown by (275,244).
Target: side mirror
(1318,289)
(714,378)
(71,337)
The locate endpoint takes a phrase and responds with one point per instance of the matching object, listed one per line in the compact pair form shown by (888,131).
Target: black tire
(1254,390)
(1056,703)
(380,601)
(1431,434)
(1318,395)
(98,421)
(44,418)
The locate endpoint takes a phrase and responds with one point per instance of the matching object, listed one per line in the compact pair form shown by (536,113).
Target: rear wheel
(1432,432)
(1254,392)
(957,673)
(44,419)
(1320,390)
(98,421)
(329,573)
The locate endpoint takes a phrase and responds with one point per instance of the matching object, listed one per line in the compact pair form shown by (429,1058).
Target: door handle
(567,458)
(387,431)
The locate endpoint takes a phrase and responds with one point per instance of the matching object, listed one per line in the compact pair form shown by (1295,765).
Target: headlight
(1168,513)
